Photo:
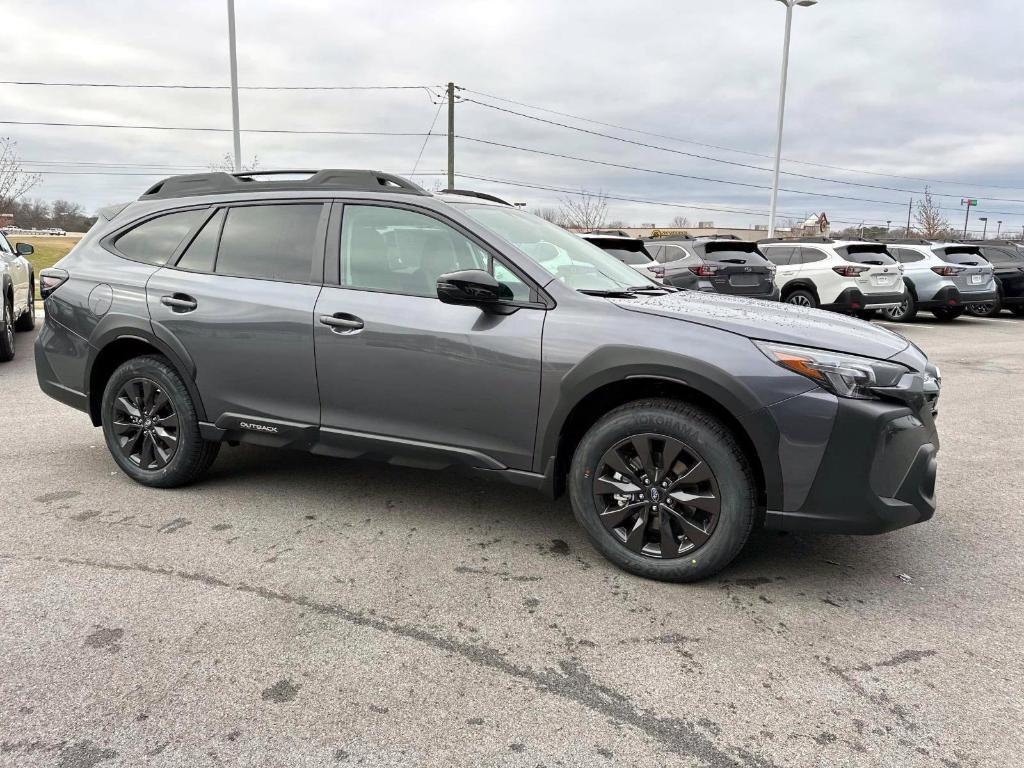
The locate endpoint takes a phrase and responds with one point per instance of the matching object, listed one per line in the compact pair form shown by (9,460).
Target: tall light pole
(782,107)
(999,226)
(984,229)
(234,86)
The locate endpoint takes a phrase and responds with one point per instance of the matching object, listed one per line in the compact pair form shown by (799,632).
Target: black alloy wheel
(146,424)
(7,333)
(657,496)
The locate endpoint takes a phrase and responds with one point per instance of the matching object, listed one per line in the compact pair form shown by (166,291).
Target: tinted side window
(779,255)
(202,253)
(907,256)
(675,253)
(399,251)
(657,252)
(271,242)
(153,241)
(809,255)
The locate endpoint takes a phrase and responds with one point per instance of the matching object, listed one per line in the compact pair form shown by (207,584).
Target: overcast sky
(932,89)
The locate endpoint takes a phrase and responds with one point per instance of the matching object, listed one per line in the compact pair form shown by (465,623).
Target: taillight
(704,270)
(947,271)
(849,271)
(50,280)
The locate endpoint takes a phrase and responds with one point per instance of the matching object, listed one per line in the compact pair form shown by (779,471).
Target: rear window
(961,254)
(734,253)
(626,251)
(865,254)
(153,241)
(1003,255)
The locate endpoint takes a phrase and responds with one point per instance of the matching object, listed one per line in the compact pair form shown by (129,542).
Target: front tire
(28,319)
(151,426)
(987,309)
(905,312)
(663,490)
(7,334)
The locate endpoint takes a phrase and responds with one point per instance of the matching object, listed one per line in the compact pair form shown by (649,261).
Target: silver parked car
(941,277)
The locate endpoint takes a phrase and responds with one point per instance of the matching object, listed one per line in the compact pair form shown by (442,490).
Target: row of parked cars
(897,278)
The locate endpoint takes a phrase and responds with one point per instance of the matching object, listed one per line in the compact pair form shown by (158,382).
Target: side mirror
(472,286)
(24,249)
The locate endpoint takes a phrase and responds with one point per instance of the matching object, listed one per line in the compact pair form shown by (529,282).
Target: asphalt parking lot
(299,611)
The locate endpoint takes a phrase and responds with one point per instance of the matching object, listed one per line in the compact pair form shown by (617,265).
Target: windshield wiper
(621,293)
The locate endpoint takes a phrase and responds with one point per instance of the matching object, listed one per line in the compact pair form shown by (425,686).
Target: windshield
(567,257)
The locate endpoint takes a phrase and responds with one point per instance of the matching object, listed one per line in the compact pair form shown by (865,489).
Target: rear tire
(28,320)
(7,334)
(686,448)
(946,314)
(1018,310)
(801,298)
(988,309)
(905,312)
(151,426)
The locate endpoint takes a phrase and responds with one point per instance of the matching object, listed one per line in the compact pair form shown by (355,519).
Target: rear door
(239,298)
(786,266)
(18,269)
(739,268)
(402,374)
(974,272)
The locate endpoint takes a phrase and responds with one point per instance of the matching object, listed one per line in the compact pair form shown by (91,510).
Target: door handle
(179,302)
(340,322)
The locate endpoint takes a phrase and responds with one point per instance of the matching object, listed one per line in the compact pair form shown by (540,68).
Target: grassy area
(49,250)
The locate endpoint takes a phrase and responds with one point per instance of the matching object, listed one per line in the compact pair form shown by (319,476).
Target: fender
(116,327)
(610,365)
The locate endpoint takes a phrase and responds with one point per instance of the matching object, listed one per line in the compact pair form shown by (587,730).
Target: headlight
(841,374)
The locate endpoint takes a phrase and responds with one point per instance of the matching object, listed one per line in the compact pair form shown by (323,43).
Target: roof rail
(471,193)
(607,233)
(219,182)
(715,237)
(910,241)
(797,240)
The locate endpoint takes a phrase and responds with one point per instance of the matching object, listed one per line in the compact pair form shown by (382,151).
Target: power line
(426,138)
(184,87)
(738,151)
(646,201)
(720,160)
(209,129)
(706,178)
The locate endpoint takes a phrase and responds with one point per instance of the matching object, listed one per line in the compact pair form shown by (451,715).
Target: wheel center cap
(147,423)
(654,493)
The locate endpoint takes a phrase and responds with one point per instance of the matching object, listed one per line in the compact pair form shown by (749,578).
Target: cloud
(917,88)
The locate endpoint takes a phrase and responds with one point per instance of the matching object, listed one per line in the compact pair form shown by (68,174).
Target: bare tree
(680,222)
(929,218)
(15,181)
(548,214)
(587,210)
(227,164)
(618,224)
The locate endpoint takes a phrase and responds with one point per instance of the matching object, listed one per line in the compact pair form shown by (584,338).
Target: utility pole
(782,108)
(451,135)
(910,207)
(967,201)
(234,87)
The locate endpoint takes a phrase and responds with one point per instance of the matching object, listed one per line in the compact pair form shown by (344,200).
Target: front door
(403,375)
(240,301)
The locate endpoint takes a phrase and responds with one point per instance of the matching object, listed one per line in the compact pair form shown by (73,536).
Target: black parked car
(721,264)
(1007,259)
(630,251)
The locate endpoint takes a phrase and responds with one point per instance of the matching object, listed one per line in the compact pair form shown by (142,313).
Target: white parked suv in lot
(856,276)
(942,277)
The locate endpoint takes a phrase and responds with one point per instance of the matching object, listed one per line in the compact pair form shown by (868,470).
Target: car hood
(772,321)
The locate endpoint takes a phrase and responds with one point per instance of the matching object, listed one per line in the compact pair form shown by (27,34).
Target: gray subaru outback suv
(353,314)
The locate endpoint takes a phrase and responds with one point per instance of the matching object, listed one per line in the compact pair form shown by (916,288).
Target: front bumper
(876,472)
(853,299)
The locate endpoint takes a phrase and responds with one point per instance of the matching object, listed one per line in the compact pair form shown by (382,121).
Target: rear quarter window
(153,241)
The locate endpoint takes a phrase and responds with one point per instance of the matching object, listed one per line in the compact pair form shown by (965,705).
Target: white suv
(856,276)
(942,277)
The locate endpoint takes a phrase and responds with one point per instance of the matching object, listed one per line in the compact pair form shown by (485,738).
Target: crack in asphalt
(570,682)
